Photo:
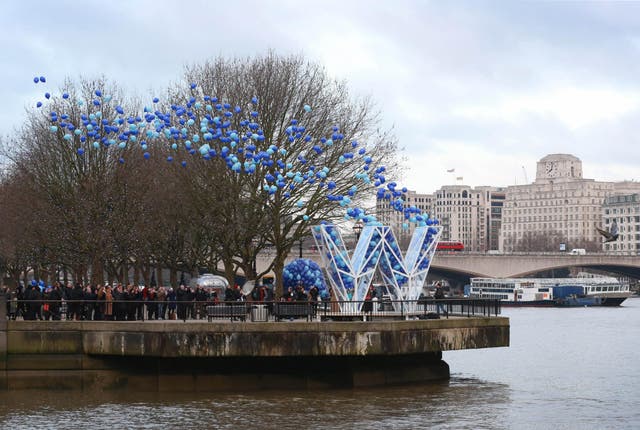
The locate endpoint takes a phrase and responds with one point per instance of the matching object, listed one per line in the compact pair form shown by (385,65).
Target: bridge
(524,264)
(513,265)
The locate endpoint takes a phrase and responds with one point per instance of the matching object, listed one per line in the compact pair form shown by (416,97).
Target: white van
(578,251)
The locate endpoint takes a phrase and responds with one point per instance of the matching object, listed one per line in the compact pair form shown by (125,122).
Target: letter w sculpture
(377,251)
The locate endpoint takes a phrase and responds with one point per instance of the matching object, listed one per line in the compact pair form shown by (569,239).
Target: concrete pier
(202,356)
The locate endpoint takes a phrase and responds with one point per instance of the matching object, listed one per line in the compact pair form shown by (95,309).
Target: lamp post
(357,229)
(300,249)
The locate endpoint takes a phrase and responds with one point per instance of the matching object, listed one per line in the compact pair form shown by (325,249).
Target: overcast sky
(485,88)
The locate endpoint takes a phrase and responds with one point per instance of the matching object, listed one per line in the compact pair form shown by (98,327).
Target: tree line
(95,215)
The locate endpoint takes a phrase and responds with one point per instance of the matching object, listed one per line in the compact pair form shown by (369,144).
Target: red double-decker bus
(448,245)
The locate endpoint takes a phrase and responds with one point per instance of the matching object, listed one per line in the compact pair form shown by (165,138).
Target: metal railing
(135,310)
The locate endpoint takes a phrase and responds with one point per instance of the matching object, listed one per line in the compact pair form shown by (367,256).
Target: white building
(560,207)
(624,210)
(469,215)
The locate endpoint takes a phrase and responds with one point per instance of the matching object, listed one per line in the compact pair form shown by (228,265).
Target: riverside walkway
(311,352)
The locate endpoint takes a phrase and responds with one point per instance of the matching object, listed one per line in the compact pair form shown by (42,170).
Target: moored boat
(563,292)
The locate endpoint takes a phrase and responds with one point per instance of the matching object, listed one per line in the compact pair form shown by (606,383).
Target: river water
(573,368)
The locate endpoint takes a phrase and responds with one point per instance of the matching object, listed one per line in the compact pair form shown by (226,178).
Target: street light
(357,229)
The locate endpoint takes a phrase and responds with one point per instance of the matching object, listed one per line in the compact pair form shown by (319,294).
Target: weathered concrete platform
(202,356)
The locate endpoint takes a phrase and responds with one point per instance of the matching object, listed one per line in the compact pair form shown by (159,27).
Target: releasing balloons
(226,132)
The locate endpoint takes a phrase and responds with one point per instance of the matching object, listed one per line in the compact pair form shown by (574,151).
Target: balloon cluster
(306,272)
(40,284)
(207,127)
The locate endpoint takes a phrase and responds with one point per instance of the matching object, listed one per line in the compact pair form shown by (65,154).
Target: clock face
(551,169)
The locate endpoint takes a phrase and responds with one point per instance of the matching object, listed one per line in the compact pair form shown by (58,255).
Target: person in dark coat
(201,298)
(89,303)
(367,306)
(55,299)
(119,303)
(66,295)
(30,306)
(171,299)
(132,297)
(181,299)
(34,308)
(439,295)
(20,297)
(151,304)
(77,296)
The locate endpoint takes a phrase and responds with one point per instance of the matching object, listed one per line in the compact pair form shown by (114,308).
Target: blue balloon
(36,80)
(80,151)
(42,79)
(307,108)
(39,104)
(146,155)
(121,160)
(65,95)
(305,272)
(47,95)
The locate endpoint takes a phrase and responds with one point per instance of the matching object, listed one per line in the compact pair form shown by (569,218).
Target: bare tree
(337,126)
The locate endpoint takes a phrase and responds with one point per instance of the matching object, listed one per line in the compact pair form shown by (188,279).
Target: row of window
(628,210)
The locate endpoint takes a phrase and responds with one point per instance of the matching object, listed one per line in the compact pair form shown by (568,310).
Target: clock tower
(557,166)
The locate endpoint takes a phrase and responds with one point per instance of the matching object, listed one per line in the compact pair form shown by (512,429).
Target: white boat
(588,291)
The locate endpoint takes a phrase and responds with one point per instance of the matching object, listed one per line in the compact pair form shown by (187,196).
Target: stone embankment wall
(193,356)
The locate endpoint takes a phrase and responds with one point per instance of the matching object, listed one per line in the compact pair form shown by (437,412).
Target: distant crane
(526,179)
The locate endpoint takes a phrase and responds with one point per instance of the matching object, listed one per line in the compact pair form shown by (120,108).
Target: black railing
(134,310)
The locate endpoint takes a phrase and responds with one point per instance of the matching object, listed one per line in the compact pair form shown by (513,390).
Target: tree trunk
(159,277)
(15,277)
(146,275)
(136,275)
(278,269)
(229,271)
(124,273)
(97,272)
(173,277)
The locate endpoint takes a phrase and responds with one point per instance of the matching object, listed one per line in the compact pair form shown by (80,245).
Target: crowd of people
(136,303)
(111,302)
